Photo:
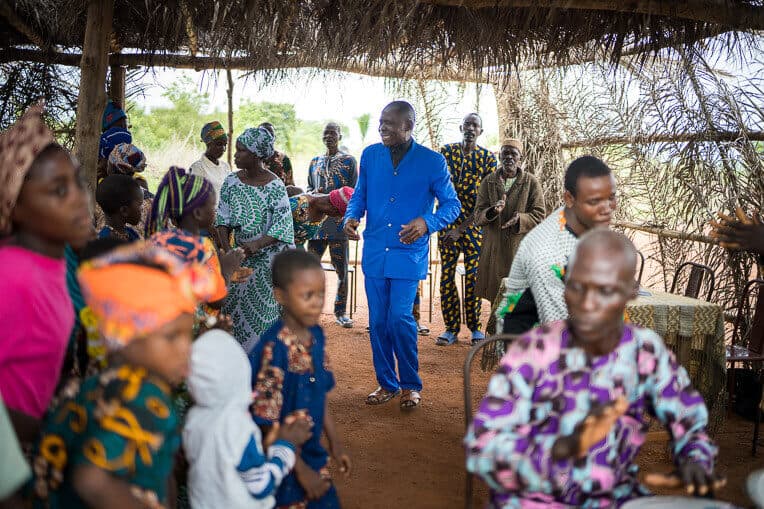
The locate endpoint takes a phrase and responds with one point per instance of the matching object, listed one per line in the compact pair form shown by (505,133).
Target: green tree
(181,121)
(363,125)
(281,115)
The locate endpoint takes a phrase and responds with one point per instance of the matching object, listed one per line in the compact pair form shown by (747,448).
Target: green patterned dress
(253,212)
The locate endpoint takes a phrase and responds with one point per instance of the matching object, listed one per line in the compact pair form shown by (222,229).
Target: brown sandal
(380,396)
(410,399)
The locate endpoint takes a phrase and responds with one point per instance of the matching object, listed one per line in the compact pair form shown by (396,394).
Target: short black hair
(116,191)
(287,263)
(473,114)
(585,166)
(335,126)
(404,108)
(268,127)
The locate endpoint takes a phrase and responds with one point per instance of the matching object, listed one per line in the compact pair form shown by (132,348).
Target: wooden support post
(92,96)
(231,141)
(117,85)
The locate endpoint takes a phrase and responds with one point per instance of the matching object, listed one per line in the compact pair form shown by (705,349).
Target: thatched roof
(395,35)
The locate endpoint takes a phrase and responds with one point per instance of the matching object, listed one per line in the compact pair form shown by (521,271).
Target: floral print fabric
(253,212)
(544,387)
(121,421)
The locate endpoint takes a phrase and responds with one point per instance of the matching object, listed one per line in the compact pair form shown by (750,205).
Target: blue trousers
(393,332)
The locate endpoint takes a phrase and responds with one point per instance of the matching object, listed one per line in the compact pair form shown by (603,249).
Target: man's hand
(451,236)
(741,233)
(498,207)
(691,476)
(512,221)
(592,430)
(351,225)
(311,481)
(412,230)
(598,424)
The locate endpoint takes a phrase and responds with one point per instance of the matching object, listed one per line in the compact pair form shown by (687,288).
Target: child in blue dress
(290,373)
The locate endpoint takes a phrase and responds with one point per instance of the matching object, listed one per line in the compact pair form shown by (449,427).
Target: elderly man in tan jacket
(509,204)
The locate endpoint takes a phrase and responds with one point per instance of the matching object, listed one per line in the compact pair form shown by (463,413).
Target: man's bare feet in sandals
(380,396)
(410,399)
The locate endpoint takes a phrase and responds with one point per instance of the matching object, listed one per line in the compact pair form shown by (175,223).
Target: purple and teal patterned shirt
(544,387)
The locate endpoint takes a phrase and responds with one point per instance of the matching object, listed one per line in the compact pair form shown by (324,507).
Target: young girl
(228,466)
(111,441)
(127,159)
(291,373)
(43,206)
(183,206)
(120,198)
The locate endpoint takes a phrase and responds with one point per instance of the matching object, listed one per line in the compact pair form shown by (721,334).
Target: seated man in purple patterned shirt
(569,406)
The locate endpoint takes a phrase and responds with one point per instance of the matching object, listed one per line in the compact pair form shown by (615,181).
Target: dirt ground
(414,460)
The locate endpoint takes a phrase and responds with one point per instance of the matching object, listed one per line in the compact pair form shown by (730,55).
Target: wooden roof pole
(229,93)
(92,97)
(117,84)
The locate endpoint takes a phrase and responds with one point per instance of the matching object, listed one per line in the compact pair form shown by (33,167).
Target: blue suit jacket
(393,197)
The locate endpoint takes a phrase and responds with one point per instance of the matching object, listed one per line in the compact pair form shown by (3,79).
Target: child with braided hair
(184,205)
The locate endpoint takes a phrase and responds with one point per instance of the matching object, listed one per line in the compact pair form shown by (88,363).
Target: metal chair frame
(641,267)
(698,273)
(506,338)
(753,352)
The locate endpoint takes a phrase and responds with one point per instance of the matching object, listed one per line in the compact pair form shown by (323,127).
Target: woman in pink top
(43,206)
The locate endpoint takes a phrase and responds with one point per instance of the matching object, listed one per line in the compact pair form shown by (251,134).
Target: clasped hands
(498,208)
(598,424)
(410,232)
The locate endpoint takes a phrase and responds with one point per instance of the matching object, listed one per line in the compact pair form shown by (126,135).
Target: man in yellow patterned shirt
(468,164)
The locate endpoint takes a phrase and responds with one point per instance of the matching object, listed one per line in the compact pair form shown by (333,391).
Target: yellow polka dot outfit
(467,171)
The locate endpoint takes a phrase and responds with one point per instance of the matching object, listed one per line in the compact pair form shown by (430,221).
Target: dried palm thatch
(397,36)
(676,184)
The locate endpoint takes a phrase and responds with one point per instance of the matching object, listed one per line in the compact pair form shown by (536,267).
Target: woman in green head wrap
(255,208)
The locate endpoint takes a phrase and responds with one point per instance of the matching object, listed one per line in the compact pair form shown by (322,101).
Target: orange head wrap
(139,288)
(19,146)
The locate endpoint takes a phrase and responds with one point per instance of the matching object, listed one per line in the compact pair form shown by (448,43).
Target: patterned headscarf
(127,159)
(138,288)
(19,146)
(111,114)
(111,138)
(340,198)
(177,195)
(258,141)
(213,131)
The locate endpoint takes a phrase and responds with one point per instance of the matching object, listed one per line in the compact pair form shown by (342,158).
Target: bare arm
(224,236)
(27,428)
(251,248)
(99,489)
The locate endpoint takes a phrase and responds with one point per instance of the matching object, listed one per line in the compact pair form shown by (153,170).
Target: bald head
(404,109)
(599,282)
(610,245)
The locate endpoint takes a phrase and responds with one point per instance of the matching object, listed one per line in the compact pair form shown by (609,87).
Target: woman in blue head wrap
(254,208)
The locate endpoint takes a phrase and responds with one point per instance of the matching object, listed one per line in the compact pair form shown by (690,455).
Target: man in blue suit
(398,183)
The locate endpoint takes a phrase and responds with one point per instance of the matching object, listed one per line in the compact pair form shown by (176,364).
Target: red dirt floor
(414,460)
